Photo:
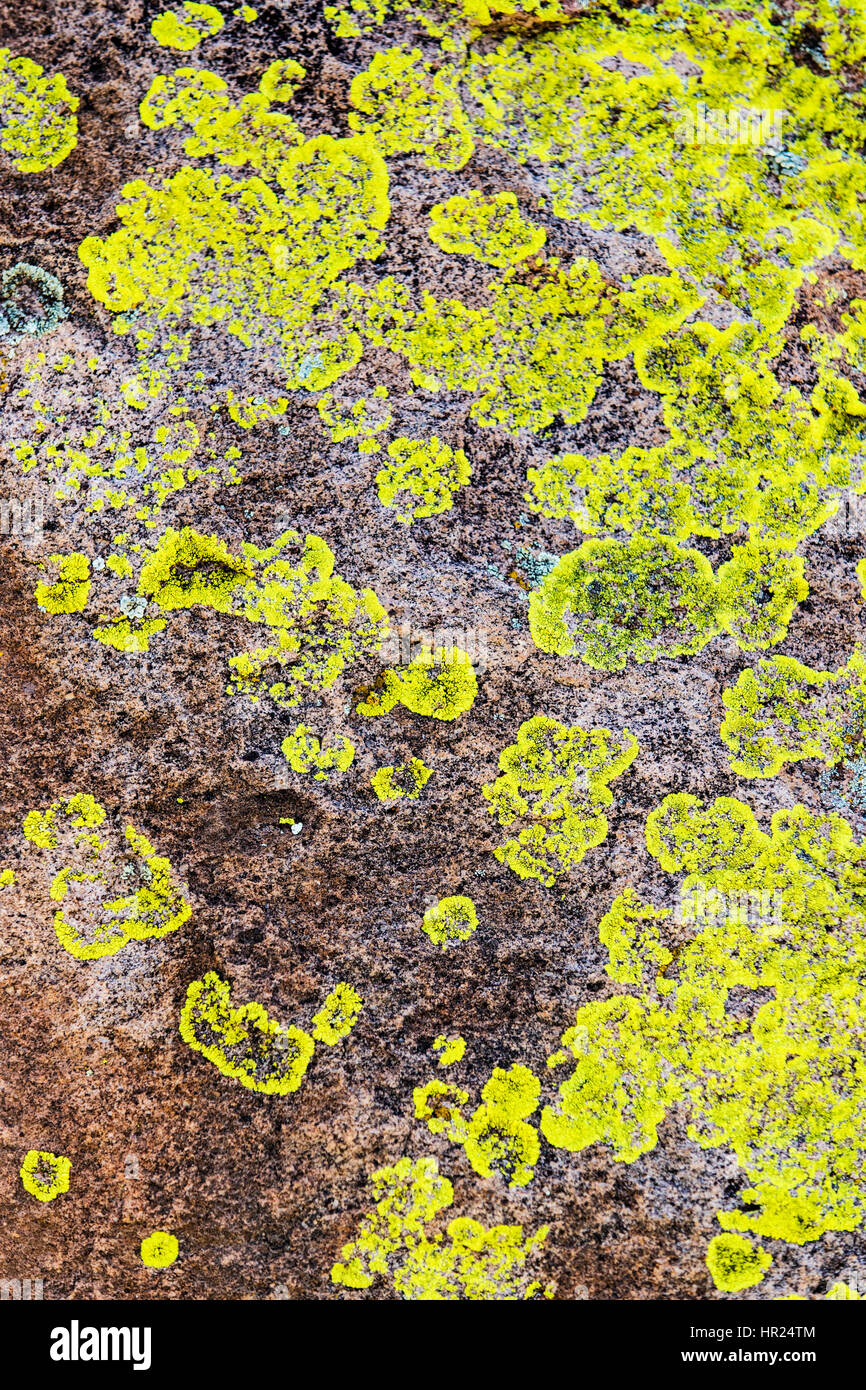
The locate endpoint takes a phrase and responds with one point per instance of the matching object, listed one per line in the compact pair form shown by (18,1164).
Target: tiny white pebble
(297,827)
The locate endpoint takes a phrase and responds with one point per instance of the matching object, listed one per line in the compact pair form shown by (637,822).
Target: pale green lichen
(555,777)
(19,286)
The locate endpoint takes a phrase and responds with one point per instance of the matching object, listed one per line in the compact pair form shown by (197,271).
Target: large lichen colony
(254,273)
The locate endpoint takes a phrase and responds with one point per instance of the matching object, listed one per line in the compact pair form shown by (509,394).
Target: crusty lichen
(422,477)
(736,1263)
(38,127)
(777,921)
(45,1175)
(185,27)
(556,778)
(113,889)
(304,753)
(402,783)
(450,920)
(248,1046)
(439,683)
(488,229)
(159,1250)
(467,1262)
(781,711)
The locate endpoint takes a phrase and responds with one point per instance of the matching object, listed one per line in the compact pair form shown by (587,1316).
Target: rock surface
(263,1190)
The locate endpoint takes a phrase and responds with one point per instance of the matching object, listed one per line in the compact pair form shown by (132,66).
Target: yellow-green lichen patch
(759,588)
(753,1029)
(404,782)
(69,592)
(113,889)
(259,261)
(488,229)
(7,878)
(234,133)
(159,1250)
(248,1046)
(536,350)
(422,477)
(305,754)
(450,1050)
(440,684)
(338,1015)
(497,1137)
(185,27)
(736,1263)
(137,447)
(555,779)
(314,623)
(38,127)
(310,623)
(439,1104)
(781,711)
(45,1175)
(408,105)
(843,1292)
(363,420)
(280,79)
(450,920)
(244,1043)
(610,600)
(469,1262)
(186,568)
(743,452)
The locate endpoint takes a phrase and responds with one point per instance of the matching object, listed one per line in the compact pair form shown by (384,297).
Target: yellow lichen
(45,1175)
(556,778)
(450,920)
(38,128)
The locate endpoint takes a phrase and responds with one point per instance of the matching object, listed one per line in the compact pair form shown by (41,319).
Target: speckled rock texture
(262,1191)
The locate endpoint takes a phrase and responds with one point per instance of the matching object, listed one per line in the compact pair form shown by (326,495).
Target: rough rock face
(263,1190)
